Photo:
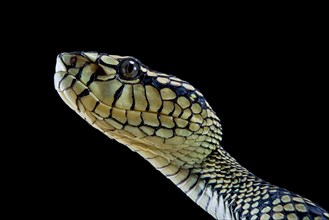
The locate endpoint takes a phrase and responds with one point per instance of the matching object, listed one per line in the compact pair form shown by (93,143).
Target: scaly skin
(169,123)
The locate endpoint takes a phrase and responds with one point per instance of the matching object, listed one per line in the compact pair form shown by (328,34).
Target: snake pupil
(130,68)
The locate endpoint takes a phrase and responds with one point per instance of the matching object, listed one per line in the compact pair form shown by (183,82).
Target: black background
(265,78)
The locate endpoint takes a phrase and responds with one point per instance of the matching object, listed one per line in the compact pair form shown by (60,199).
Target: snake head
(155,114)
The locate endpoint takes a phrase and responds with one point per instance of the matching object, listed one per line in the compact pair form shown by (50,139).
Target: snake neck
(209,183)
(226,190)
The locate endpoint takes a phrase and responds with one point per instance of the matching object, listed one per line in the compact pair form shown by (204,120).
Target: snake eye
(129,69)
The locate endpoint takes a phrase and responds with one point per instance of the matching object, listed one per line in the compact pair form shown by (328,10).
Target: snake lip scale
(170,124)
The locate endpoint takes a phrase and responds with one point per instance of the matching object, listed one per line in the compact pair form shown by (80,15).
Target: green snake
(170,124)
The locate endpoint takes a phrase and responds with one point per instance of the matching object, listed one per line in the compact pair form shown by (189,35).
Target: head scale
(152,113)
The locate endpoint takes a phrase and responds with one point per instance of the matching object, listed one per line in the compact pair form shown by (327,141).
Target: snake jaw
(60,65)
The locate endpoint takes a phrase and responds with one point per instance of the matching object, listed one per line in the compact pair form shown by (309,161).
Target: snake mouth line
(71,97)
(73,100)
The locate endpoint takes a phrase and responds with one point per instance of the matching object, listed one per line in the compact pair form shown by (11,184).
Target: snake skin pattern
(169,123)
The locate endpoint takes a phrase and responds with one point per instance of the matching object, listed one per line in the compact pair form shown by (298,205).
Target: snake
(168,122)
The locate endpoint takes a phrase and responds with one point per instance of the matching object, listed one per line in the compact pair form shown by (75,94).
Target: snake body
(169,123)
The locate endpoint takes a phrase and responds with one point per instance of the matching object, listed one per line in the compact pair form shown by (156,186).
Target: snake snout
(60,65)
(67,77)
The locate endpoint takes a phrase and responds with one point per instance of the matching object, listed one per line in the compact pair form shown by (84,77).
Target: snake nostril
(73,61)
